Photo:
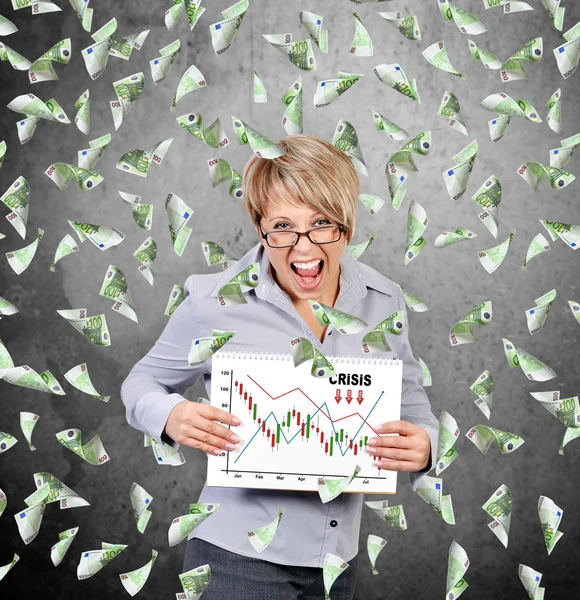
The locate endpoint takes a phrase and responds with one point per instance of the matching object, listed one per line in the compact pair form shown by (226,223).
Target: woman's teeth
(309,265)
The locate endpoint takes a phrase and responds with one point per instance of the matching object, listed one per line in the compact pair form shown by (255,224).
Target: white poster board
(297,428)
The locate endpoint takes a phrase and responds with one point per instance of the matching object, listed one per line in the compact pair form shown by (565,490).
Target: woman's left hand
(408,451)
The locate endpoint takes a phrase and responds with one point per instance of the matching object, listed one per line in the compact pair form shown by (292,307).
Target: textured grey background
(450,280)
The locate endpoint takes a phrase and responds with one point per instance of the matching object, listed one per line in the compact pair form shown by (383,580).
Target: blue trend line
(300,428)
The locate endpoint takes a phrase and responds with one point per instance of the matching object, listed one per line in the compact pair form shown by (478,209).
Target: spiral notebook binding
(334,360)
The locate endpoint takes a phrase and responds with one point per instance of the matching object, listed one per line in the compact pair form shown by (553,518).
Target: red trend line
(354,414)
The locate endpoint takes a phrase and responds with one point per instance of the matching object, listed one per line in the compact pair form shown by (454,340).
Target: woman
(303,206)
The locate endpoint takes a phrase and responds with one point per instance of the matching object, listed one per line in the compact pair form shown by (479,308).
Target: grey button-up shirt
(267,323)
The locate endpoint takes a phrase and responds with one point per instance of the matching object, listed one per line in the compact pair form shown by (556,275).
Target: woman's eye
(322,222)
(281,226)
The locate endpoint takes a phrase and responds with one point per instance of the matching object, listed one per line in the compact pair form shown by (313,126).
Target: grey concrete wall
(450,280)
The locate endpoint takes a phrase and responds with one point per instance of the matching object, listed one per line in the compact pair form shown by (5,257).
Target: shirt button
(333,523)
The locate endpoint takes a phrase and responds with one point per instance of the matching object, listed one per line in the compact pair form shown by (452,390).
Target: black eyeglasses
(327,234)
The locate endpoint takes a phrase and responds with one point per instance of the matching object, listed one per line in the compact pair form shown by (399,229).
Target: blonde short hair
(311,172)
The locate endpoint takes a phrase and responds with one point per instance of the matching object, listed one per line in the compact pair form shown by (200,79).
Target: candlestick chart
(297,428)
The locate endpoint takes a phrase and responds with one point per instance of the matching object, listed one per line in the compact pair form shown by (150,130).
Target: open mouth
(308,275)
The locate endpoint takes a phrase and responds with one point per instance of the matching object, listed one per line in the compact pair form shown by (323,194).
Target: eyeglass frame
(341,229)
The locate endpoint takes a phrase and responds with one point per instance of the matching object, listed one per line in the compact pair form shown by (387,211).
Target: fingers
(396,454)
(392,441)
(402,427)
(203,432)
(216,414)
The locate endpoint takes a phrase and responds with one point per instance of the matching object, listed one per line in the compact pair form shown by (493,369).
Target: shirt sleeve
(156,383)
(415,405)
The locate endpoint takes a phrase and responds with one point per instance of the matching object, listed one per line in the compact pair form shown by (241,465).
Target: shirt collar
(355,277)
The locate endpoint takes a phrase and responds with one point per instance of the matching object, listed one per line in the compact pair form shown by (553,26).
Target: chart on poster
(297,428)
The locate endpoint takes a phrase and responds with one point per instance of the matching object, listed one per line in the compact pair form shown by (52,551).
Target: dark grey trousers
(238,577)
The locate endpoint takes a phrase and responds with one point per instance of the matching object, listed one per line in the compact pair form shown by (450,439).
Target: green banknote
(176,297)
(313,25)
(224,32)
(127,90)
(92,452)
(566,410)
(417,222)
(231,293)
(19,260)
(550,516)
(92,561)
(178,215)
(134,581)
(394,76)
(407,26)
(300,53)
(203,348)
(449,108)
(537,246)
(462,331)
(456,178)
(512,69)
(499,508)
(361,44)
(65,247)
(375,545)
(116,288)
(260,144)
(96,56)
(346,139)
(192,8)
(431,490)
(303,350)
(220,170)
(488,197)
(345,323)
(139,160)
(531,582)
(534,369)
(356,250)
(536,317)
(457,565)
(215,255)
(146,254)
(140,501)
(329,489)
(83,116)
(448,238)
(193,79)
(293,118)
(28,422)
(391,515)
(391,129)
(492,258)
(42,68)
(568,54)
(160,66)
(447,436)
(483,437)
(401,163)
(482,387)
(194,582)
(182,526)
(333,567)
(261,537)
(375,340)
(436,54)
(65,539)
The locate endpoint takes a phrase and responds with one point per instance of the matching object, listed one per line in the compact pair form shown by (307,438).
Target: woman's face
(305,271)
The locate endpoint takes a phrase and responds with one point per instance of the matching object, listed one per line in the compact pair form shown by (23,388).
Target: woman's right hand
(195,424)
